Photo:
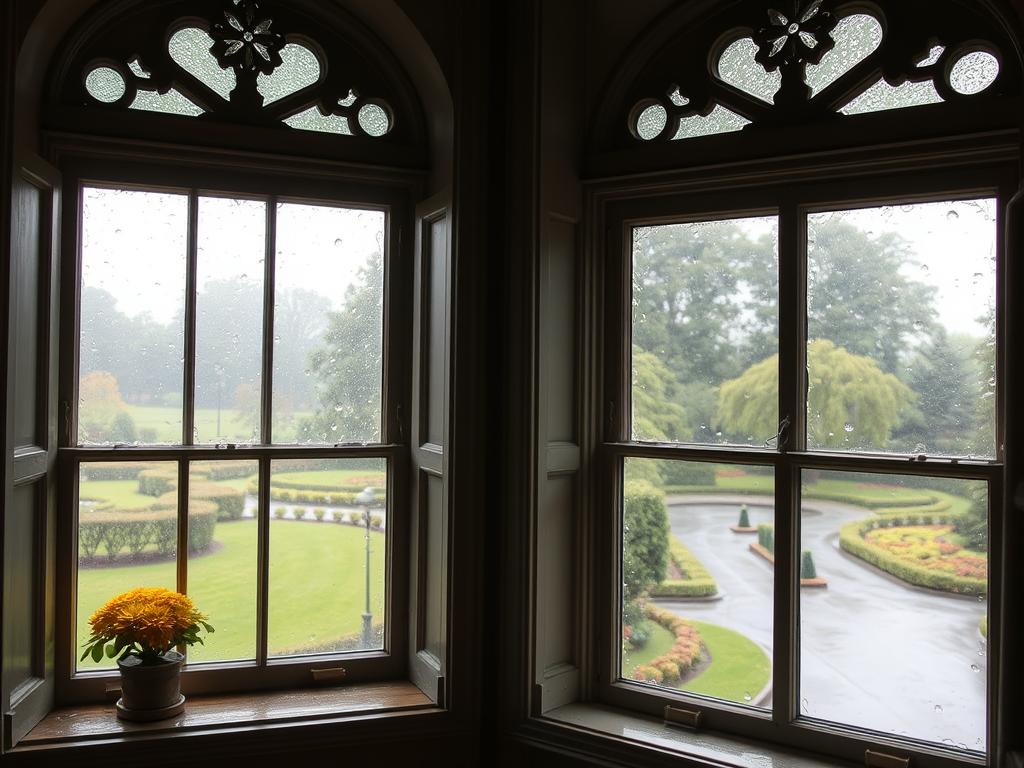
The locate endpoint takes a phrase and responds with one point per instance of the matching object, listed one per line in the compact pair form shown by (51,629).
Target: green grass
(739,667)
(123,493)
(317,583)
(330,476)
(658,644)
(166,422)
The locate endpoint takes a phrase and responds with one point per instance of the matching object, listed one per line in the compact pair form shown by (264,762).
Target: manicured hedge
(766,536)
(224,470)
(122,470)
(810,492)
(696,581)
(157,482)
(685,652)
(229,501)
(851,539)
(132,531)
(687,473)
(335,499)
(281,481)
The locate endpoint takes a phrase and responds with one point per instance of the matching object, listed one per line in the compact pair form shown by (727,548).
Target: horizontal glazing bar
(233,454)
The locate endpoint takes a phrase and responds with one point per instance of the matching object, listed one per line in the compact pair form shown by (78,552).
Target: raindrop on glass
(847,427)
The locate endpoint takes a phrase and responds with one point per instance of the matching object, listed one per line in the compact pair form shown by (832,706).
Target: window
(801,425)
(237,341)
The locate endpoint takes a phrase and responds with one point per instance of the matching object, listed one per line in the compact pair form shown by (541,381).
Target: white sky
(134,245)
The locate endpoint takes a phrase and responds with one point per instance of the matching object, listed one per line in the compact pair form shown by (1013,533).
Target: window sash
(340,187)
(726,198)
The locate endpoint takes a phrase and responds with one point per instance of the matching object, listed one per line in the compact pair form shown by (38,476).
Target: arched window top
(781,64)
(298,73)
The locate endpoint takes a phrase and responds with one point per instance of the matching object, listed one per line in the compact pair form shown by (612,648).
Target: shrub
(766,536)
(357,518)
(687,473)
(744,521)
(851,539)
(376,521)
(973,526)
(696,581)
(122,470)
(645,538)
(157,482)
(279,512)
(230,502)
(319,513)
(117,529)
(202,521)
(807,569)
(225,470)
(122,428)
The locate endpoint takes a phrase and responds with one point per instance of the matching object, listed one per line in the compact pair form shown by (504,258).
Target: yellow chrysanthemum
(153,617)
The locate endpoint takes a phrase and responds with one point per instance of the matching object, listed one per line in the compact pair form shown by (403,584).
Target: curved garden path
(876,652)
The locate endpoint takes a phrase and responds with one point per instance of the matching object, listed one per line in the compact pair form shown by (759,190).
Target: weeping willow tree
(852,403)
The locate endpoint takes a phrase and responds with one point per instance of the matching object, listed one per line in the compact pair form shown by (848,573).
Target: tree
(851,403)
(656,415)
(860,297)
(944,414)
(973,526)
(644,539)
(347,368)
(100,401)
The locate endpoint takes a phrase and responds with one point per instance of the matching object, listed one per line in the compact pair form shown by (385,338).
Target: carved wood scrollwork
(794,62)
(280,65)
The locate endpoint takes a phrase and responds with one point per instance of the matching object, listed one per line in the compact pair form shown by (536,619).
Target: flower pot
(150,691)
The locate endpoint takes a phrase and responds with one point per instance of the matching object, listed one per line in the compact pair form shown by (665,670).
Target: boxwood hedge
(134,530)
(695,582)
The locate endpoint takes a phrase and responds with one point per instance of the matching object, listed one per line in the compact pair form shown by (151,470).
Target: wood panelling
(28,210)
(20,589)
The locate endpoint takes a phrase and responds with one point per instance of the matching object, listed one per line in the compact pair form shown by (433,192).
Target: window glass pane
(697,578)
(328,325)
(882,96)
(133,288)
(174,102)
(127,535)
(897,641)
(901,329)
(327,555)
(229,320)
(738,67)
(720,120)
(857,36)
(222,556)
(299,68)
(190,48)
(705,332)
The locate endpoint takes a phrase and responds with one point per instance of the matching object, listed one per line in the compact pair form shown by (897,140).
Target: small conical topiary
(744,517)
(807,569)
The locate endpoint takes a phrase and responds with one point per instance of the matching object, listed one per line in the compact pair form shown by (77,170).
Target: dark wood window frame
(972,166)
(195,171)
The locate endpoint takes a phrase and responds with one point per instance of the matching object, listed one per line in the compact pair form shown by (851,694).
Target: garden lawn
(166,422)
(331,477)
(739,667)
(123,493)
(317,583)
(658,644)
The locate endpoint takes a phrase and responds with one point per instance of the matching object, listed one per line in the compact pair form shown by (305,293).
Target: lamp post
(365,499)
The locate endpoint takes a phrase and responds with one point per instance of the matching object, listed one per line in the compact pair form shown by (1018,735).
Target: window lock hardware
(874,759)
(686,718)
(328,675)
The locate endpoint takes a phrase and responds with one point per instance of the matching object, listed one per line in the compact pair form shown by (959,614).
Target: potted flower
(142,628)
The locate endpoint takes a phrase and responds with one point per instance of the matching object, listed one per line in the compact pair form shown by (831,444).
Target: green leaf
(97,652)
(121,642)
(207,627)
(85,653)
(111,651)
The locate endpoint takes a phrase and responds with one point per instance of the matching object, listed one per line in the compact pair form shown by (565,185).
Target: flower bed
(680,660)
(910,546)
(695,581)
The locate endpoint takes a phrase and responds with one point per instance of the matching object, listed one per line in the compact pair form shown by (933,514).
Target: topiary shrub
(376,522)
(807,569)
(744,521)
(644,538)
(279,512)
(202,522)
(122,470)
(230,502)
(319,513)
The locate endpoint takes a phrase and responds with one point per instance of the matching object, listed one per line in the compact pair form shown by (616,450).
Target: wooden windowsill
(204,713)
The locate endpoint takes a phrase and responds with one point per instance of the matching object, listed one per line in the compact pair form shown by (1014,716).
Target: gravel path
(876,652)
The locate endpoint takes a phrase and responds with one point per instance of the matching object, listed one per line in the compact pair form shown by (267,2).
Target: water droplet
(338,243)
(975,668)
(938,707)
(847,427)
(804,705)
(952,215)
(948,742)
(747,696)
(338,408)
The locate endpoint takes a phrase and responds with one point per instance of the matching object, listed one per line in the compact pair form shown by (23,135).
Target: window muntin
(181,533)
(800,724)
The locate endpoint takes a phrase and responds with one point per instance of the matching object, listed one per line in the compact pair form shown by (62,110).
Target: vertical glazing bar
(270,271)
(189,399)
(181,556)
(792,324)
(262,559)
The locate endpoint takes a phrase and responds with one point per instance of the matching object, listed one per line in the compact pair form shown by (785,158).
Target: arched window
(236,343)
(803,295)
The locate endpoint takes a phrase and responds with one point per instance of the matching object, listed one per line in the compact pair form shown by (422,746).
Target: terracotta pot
(150,691)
